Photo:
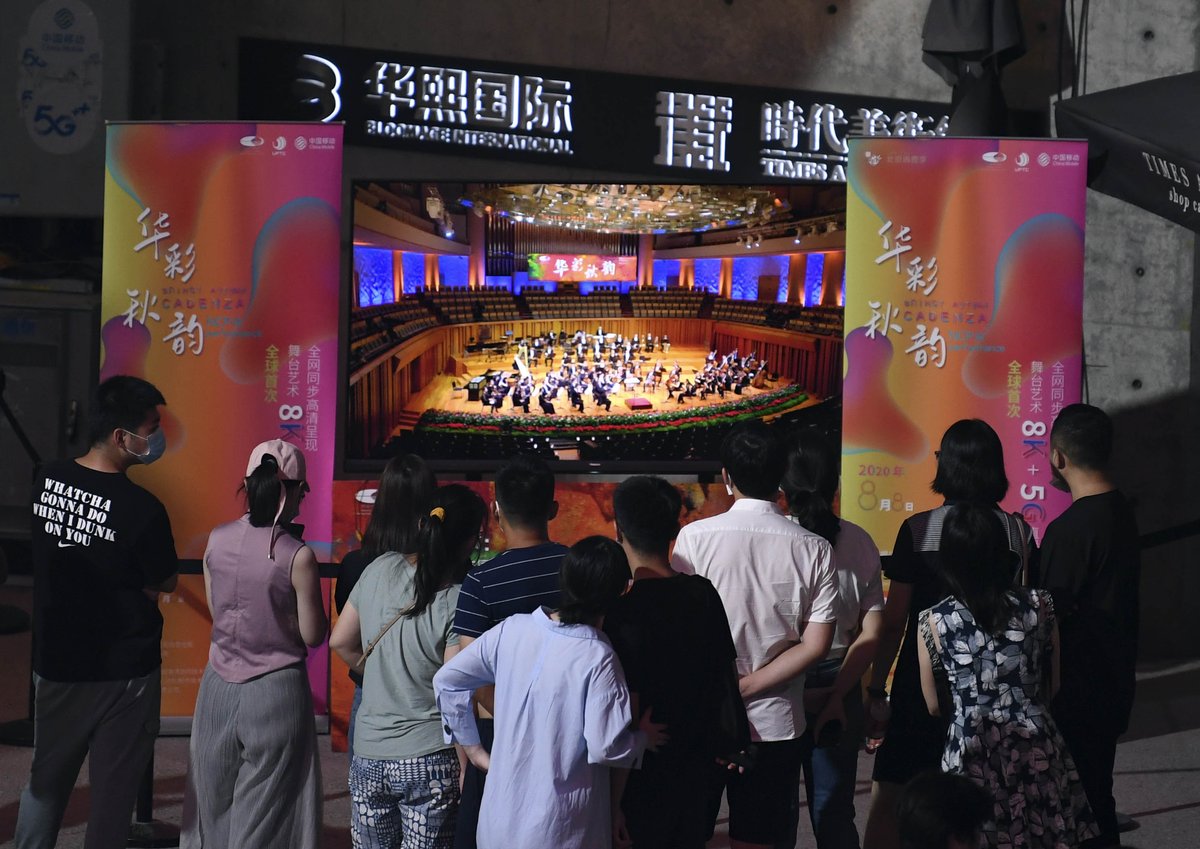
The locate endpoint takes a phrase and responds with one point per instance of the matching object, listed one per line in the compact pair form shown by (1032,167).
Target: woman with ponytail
(395,628)
(401,501)
(254,776)
(833,698)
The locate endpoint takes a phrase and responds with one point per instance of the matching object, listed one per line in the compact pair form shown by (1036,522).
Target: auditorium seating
(669,304)
(747,312)
(459,306)
(558,305)
(822,321)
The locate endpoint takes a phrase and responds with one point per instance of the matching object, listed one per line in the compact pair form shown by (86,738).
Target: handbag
(361,666)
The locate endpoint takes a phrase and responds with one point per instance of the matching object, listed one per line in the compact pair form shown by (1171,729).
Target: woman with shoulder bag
(404,777)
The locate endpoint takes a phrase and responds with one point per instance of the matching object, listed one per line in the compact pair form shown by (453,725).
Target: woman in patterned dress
(996,647)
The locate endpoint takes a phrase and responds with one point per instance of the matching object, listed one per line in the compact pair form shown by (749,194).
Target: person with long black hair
(995,648)
(404,778)
(833,701)
(254,777)
(970,470)
(402,498)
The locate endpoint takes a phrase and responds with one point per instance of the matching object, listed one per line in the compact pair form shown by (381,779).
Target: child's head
(938,810)
(594,573)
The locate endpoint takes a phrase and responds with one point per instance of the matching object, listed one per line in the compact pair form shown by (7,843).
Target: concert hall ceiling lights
(629,208)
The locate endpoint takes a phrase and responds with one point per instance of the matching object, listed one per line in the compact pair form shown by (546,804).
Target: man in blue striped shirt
(518,580)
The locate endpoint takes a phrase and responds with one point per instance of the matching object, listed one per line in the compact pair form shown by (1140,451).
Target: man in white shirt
(779,588)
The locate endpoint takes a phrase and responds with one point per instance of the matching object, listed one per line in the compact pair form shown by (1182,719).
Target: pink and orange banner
(964,299)
(220,286)
(582,267)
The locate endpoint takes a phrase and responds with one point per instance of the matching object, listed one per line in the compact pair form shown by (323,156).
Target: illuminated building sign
(581,267)
(642,127)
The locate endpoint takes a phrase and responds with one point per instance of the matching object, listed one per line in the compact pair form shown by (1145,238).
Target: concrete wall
(1140,269)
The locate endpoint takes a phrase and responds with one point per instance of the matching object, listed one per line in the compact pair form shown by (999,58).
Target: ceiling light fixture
(630,208)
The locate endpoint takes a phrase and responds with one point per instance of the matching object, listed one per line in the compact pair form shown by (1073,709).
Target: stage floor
(440,394)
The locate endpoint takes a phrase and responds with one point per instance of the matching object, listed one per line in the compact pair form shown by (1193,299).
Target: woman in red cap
(254,777)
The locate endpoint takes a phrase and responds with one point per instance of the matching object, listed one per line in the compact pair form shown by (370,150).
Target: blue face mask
(156,446)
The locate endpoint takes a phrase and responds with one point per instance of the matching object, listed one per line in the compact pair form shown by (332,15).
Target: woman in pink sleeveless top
(254,776)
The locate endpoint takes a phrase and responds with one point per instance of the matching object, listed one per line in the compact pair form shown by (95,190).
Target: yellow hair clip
(438,513)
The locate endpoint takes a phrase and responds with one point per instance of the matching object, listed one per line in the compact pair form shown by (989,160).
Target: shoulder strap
(1023,575)
(371,645)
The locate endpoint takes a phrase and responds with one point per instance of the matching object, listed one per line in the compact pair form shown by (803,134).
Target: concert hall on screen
(616,326)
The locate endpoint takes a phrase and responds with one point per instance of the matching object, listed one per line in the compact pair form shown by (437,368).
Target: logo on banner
(280,143)
(994,156)
(1022,159)
(1043,159)
(251,141)
(301,143)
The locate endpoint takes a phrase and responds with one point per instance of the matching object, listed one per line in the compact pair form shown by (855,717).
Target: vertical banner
(220,286)
(964,299)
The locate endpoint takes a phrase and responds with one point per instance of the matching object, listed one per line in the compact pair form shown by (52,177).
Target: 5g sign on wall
(59,81)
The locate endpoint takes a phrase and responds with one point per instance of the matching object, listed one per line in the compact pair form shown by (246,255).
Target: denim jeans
(829,782)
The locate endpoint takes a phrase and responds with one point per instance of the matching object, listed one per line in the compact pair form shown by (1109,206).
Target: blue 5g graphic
(45,121)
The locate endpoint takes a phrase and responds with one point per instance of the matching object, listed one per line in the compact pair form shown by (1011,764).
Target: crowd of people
(601,365)
(609,693)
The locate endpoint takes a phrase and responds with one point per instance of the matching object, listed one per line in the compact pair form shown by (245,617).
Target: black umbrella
(1143,144)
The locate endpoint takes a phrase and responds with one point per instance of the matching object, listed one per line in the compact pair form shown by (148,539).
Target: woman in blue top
(562,717)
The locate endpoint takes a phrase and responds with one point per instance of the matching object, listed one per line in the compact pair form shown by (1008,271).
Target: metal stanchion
(147,832)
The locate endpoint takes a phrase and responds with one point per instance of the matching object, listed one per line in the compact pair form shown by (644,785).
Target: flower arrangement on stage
(770,403)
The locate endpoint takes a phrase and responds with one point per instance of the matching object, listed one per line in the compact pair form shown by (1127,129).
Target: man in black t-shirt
(672,637)
(1091,563)
(102,551)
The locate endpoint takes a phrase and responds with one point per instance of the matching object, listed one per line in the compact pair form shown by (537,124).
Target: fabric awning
(1143,144)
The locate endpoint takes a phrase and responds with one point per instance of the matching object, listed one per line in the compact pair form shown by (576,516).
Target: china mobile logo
(317,86)
(1043,159)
